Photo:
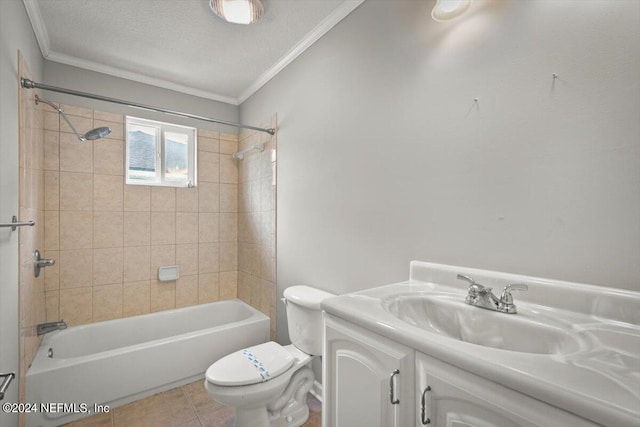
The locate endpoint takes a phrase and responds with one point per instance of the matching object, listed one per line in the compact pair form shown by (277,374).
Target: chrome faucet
(43,328)
(480,296)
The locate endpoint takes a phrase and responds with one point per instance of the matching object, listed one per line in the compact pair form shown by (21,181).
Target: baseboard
(316,390)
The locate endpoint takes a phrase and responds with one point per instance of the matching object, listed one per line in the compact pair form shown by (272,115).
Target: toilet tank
(304,317)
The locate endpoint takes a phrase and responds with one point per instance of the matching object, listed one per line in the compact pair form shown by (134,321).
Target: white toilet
(268,383)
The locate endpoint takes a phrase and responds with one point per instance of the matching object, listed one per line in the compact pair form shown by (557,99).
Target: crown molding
(33,12)
(337,15)
(136,77)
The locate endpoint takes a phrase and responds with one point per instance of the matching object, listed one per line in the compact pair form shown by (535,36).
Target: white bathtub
(118,361)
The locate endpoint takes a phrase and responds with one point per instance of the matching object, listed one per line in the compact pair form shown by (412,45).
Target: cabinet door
(458,398)
(359,382)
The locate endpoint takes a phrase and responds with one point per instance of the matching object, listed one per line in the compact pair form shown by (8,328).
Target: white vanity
(414,354)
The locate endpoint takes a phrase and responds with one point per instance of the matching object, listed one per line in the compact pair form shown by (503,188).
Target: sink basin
(449,316)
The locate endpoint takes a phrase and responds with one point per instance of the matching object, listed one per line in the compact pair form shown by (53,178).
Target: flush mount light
(446,10)
(238,11)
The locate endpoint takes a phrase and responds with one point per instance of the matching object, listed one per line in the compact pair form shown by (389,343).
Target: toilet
(268,383)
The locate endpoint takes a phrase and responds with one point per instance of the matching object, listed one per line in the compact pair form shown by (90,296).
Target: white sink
(449,316)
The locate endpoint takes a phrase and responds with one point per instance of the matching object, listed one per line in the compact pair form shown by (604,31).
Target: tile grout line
(193,406)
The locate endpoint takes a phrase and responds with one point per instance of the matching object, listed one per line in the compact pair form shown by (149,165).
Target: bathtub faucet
(43,328)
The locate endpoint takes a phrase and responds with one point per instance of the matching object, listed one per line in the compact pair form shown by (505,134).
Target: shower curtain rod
(30,84)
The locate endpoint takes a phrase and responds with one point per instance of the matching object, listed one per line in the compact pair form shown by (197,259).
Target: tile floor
(186,406)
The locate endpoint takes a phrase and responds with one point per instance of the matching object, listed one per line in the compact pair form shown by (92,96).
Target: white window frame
(161,129)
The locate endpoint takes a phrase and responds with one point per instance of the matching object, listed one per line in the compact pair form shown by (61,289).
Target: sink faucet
(43,328)
(483,297)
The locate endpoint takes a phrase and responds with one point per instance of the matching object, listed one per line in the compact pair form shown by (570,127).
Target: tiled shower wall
(257,223)
(32,297)
(109,238)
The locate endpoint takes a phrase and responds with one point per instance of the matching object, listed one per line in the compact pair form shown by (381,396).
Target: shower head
(96,133)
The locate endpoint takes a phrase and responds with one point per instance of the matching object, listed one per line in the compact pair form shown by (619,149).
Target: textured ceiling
(181,44)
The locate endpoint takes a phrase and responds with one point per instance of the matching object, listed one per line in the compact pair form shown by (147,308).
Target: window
(160,153)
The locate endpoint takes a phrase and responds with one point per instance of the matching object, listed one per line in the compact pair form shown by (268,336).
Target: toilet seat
(251,365)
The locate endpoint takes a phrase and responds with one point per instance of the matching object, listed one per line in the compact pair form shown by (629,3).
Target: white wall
(384,157)
(15,33)
(66,76)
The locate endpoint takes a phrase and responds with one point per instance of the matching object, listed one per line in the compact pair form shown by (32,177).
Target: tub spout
(43,328)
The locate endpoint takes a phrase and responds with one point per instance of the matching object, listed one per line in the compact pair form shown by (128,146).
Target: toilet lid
(250,366)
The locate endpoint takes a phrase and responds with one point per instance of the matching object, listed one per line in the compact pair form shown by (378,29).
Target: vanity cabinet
(371,381)
(368,379)
(451,397)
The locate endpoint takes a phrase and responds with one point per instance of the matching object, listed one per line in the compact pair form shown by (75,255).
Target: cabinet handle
(423,407)
(392,394)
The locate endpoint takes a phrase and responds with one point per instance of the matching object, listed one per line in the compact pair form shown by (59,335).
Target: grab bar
(240,154)
(15,223)
(5,383)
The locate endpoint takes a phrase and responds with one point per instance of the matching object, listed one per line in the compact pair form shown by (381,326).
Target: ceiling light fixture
(238,11)
(446,10)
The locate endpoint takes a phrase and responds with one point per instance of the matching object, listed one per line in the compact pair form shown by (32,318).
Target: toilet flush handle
(284,301)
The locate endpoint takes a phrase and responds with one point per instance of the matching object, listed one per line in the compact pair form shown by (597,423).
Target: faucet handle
(467,279)
(506,297)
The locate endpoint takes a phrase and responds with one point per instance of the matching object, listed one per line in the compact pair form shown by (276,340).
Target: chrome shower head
(96,133)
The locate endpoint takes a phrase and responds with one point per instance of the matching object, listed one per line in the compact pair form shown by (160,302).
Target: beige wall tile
(76,268)
(209,197)
(244,290)
(229,137)
(163,199)
(108,157)
(76,306)
(187,199)
(228,285)
(108,266)
(187,291)
(51,121)
(163,295)
(137,228)
(208,167)
(208,144)
(208,258)
(76,230)
(137,198)
(228,198)
(163,228)
(228,147)
(107,302)
(208,288)
(51,230)
(107,229)
(228,169)
(186,227)
(136,298)
(75,156)
(187,258)
(52,273)
(52,303)
(228,256)
(208,227)
(108,193)
(51,150)
(76,191)
(161,255)
(82,125)
(137,263)
(51,190)
(208,133)
(228,227)
(76,111)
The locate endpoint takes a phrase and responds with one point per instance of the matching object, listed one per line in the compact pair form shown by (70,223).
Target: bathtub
(118,361)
